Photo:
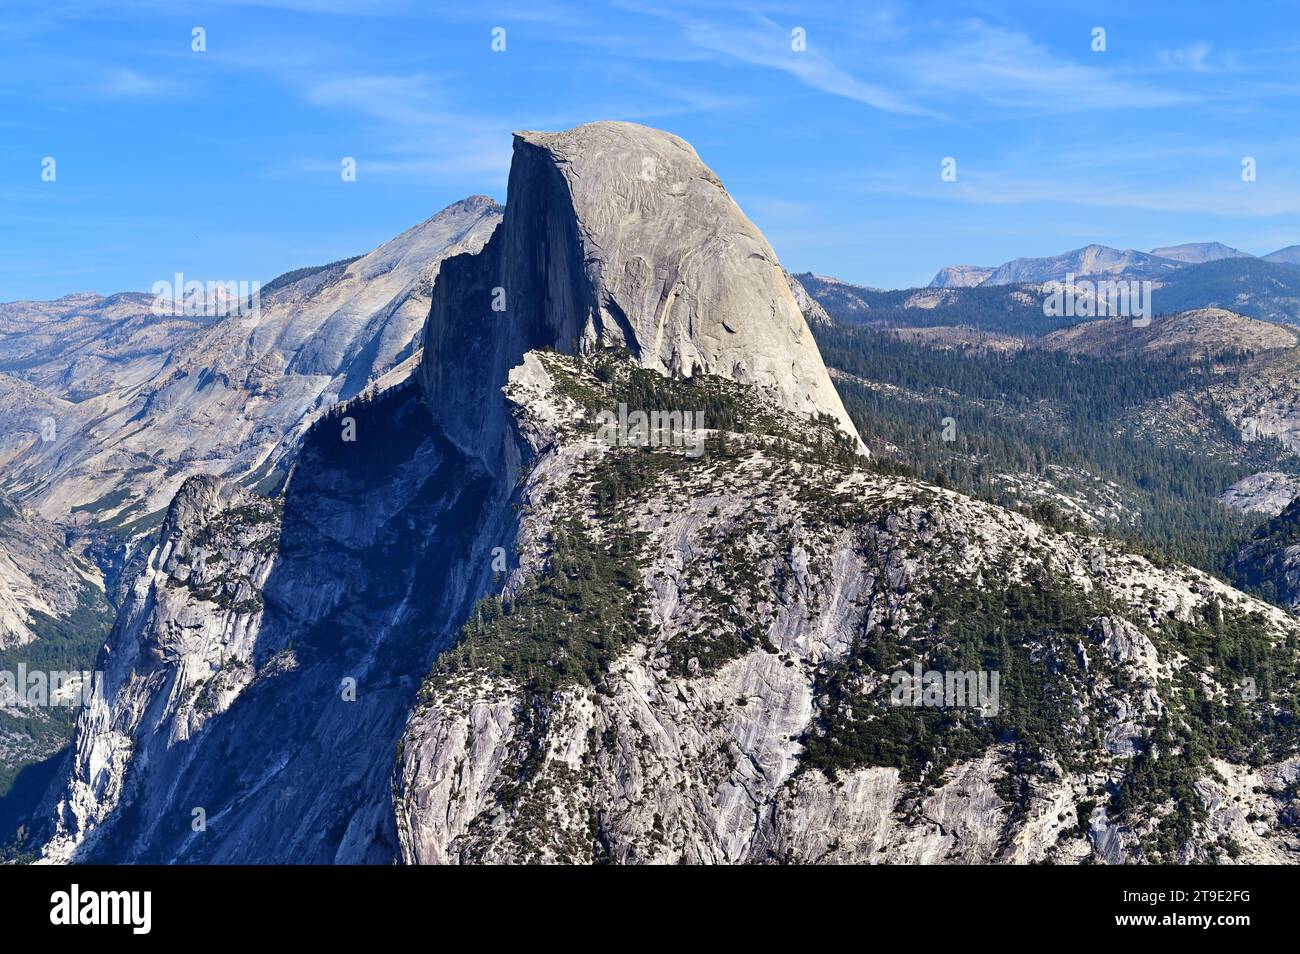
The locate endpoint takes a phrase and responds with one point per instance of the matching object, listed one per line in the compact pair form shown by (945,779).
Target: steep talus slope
(693,663)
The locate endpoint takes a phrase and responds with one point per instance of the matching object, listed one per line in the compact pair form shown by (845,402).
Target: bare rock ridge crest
(617,235)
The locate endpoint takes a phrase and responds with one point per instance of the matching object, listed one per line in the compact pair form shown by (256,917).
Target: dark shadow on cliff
(377,569)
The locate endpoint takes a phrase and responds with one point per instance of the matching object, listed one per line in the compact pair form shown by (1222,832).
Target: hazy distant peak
(1285,256)
(1089,261)
(961,276)
(1194,253)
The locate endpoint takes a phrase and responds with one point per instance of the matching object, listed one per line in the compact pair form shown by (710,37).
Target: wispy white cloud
(415,125)
(1200,57)
(127,83)
(992,66)
(935,69)
(1191,57)
(769,45)
(1226,197)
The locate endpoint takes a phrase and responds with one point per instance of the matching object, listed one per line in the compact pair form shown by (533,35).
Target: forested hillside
(1079,440)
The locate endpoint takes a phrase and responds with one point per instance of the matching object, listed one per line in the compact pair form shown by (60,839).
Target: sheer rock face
(186,631)
(263,665)
(617,235)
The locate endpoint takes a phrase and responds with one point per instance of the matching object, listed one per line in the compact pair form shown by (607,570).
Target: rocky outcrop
(1264,404)
(1268,492)
(616,235)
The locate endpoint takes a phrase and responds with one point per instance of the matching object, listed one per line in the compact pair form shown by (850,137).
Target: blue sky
(225,164)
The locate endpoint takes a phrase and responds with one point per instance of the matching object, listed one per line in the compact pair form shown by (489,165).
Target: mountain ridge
(1197,252)
(479,622)
(235,392)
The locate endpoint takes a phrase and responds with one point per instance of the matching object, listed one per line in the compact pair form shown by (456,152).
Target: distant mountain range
(1193,253)
(1255,287)
(961,276)
(1102,261)
(1009,299)
(1285,256)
